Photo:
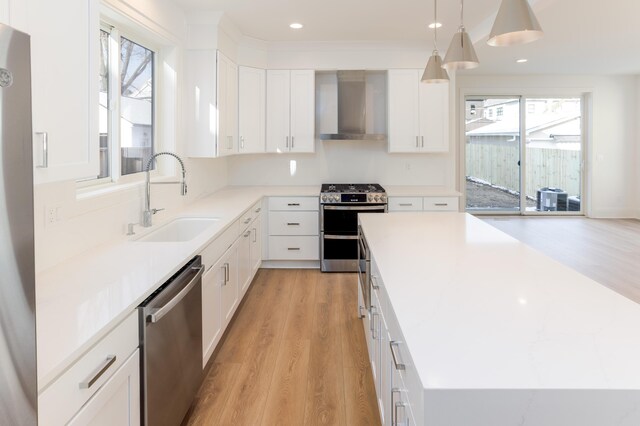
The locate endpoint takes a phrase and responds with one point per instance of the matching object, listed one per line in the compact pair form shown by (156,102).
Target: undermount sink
(179,230)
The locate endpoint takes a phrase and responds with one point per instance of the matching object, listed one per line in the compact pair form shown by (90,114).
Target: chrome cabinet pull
(87,383)
(286,144)
(402,405)
(406,204)
(373,310)
(393,404)
(293,140)
(45,150)
(157,314)
(226,273)
(293,224)
(257,210)
(360,314)
(242,142)
(374,335)
(399,365)
(441,204)
(374,284)
(293,248)
(247,220)
(255,234)
(417,142)
(293,204)
(246,234)
(422,141)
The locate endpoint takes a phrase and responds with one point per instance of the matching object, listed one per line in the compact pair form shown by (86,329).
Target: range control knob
(324,198)
(370,198)
(336,198)
(377,197)
(383,198)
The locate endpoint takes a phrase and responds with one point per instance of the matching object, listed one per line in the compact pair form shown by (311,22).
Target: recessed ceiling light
(296,26)
(522,61)
(435,25)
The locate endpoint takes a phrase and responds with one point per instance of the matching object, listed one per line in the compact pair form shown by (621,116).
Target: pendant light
(461,54)
(434,73)
(514,24)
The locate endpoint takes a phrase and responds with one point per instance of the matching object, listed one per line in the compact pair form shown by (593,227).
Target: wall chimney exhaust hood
(351,105)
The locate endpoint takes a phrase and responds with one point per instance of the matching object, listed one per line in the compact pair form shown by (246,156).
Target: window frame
(116,32)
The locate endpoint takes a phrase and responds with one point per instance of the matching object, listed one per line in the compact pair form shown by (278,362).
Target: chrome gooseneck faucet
(147,216)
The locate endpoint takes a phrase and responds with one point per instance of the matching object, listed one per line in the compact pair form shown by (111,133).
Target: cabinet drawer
(218,246)
(449,204)
(293,223)
(60,401)
(294,203)
(294,248)
(405,204)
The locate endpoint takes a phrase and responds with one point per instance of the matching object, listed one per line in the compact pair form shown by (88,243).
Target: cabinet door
(244,262)
(302,111)
(278,94)
(64,92)
(201,75)
(225,103)
(256,245)
(229,284)
(212,282)
(434,117)
(252,114)
(404,104)
(118,400)
(374,348)
(384,396)
(232,106)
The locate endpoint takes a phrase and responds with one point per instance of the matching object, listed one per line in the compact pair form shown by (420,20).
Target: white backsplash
(89,221)
(343,161)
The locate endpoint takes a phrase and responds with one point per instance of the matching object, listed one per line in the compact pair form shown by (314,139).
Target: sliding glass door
(540,173)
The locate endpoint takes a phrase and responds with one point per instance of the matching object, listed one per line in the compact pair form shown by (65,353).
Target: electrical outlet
(52,214)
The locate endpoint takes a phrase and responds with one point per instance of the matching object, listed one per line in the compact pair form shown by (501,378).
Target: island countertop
(481,311)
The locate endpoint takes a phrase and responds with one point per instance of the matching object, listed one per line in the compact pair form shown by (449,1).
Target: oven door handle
(340,237)
(363,208)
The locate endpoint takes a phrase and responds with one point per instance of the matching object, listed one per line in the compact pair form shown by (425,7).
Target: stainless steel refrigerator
(18,379)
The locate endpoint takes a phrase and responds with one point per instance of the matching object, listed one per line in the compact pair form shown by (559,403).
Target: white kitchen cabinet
(227,101)
(83,383)
(64,93)
(293,228)
(251,110)
(427,204)
(290,111)
(405,204)
(228,269)
(211,310)
(418,113)
(118,400)
(244,261)
(211,112)
(256,246)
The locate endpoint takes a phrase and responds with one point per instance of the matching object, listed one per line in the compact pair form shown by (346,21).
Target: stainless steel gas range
(339,208)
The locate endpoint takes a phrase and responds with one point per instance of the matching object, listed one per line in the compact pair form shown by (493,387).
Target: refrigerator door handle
(45,150)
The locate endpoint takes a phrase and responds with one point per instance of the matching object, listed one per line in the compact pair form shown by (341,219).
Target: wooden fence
(546,167)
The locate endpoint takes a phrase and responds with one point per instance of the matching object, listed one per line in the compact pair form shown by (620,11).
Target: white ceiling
(581,36)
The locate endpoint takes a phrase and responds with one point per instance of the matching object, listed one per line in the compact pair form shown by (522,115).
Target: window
(127,111)
(499,111)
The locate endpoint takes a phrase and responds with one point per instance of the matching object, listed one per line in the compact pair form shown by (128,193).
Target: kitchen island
(469,326)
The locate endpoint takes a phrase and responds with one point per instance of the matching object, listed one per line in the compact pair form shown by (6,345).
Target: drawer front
(294,203)
(217,247)
(409,374)
(294,248)
(293,223)
(405,204)
(60,401)
(448,204)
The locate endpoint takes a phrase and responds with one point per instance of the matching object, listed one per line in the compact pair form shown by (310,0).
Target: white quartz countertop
(81,300)
(481,310)
(420,191)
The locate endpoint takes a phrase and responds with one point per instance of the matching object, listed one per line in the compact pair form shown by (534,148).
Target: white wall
(637,168)
(88,221)
(611,155)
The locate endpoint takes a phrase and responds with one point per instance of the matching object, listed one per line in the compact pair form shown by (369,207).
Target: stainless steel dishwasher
(171,342)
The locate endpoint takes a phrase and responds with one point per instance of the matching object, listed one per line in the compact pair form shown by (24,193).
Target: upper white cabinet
(418,113)
(64,87)
(290,111)
(211,114)
(227,101)
(251,107)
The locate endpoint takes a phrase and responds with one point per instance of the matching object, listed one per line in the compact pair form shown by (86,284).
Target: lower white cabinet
(211,318)
(118,400)
(427,204)
(293,228)
(244,261)
(228,268)
(102,384)
(256,246)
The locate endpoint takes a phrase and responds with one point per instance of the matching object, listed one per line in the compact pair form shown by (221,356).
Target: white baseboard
(290,264)
(614,214)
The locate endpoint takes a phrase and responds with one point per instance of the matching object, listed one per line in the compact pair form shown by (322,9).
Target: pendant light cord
(462,13)
(435,25)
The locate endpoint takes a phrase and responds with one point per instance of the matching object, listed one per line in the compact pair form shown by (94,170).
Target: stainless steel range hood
(357,118)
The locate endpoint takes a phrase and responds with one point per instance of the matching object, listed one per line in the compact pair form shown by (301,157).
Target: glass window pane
(104,101)
(554,154)
(136,106)
(492,154)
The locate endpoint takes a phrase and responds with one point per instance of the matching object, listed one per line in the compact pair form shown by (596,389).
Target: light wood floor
(605,250)
(295,354)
